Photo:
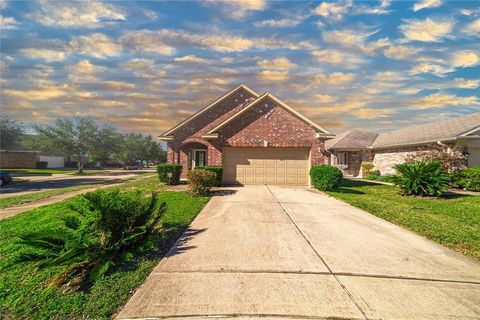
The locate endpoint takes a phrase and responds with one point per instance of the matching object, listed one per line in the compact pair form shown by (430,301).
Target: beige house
(350,149)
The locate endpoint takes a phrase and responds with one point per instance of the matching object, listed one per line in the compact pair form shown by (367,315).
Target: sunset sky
(147,65)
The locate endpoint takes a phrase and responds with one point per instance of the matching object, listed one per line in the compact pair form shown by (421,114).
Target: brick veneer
(263,123)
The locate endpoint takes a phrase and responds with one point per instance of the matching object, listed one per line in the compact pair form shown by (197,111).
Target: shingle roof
(430,132)
(352,139)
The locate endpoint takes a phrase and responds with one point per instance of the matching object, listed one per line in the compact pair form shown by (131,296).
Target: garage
(276,166)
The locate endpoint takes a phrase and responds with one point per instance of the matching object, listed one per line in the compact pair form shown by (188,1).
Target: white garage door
(279,166)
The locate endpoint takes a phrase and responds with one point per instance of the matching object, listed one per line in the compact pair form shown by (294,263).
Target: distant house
(258,139)
(350,149)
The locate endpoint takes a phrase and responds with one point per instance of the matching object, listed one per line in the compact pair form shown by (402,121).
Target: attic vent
(266,105)
(241,95)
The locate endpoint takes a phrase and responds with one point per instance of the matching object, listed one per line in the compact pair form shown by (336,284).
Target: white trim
(193,158)
(214,103)
(417,143)
(165,138)
(465,135)
(279,102)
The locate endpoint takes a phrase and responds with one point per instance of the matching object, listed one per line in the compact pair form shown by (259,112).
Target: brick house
(350,149)
(257,139)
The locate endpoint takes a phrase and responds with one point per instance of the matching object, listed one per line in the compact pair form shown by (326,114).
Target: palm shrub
(468,178)
(326,177)
(200,182)
(106,225)
(421,178)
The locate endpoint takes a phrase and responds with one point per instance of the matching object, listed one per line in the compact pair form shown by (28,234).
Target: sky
(147,65)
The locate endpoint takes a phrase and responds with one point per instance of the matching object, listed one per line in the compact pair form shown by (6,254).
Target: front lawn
(24,289)
(452,221)
(50,171)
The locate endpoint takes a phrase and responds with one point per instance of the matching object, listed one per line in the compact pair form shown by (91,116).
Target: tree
(11,133)
(109,141)
(135,146)
(78,137)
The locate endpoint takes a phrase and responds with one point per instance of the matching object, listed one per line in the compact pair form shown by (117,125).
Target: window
(342,158)
(197,158)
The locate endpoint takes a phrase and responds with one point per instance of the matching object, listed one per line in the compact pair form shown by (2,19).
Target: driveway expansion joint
(319,256)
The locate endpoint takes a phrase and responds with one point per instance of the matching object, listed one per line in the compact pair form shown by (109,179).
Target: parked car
(5,178)
(137,165)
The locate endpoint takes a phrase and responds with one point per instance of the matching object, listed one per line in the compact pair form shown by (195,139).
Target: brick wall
(264,122)
(18,159)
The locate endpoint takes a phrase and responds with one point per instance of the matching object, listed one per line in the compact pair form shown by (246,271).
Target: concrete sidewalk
(274,252)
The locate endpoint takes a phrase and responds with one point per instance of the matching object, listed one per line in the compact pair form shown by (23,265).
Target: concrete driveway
(275,252)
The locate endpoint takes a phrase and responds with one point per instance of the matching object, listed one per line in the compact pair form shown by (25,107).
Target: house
(257,139)
(350,149)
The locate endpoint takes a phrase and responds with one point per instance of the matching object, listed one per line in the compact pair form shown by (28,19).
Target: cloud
(139,65)
(465,59)
(8,23)
(191,59)
(424,4)
(333,79)
(339,58)
(332,10)
(239,9)
(45,92)
(370,113)
(473,28)
(356,39)
(45,54)
(466,84)
(400,52)
(440,100)
(274,75)
(276,63)
(96,45)
(149,41)
(427,30)
(77,14)
(84,66)
(117,85)
(324,98)
(278,23)
(427,67)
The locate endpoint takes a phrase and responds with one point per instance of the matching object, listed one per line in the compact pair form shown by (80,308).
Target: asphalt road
(38,183)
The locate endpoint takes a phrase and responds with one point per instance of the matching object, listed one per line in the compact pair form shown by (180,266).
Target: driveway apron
(278,252)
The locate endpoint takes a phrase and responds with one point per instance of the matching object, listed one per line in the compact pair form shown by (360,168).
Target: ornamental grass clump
(326,177)
(201,181)
(421,178)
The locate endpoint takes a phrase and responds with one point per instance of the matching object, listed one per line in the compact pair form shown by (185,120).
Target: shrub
(375,175)
(326,177)
(422,178)
(164,168)
(468,178)
(42,165)
(109,223)
(200,182)
(218,173)
(367,169)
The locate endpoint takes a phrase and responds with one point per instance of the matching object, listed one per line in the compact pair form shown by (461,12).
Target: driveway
(275,252)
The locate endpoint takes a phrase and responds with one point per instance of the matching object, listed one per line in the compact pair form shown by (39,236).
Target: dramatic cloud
(324,98)
(332,10)
(278,23)
(96,45)
(148,41)
(400,52)
(45,92)
(466,84)
(274,75)
(239,9)
(191,59)
(84,66)
(465,59)
(76,14)
(8,23)
(45,54)
(473,28)
(370,113)
(356,39)
(139,65)
(427,30)
(440,100)
(276,63)
(338,58)
(333,79)
(426,67)
(424,4)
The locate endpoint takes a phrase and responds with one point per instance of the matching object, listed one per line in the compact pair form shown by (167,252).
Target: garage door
(280,166)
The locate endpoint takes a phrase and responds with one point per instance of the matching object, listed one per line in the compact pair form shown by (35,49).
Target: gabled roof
(322,132)
(444,130)
(166,134)
(352,139)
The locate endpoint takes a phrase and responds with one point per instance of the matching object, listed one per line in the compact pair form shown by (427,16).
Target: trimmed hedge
(468,179)
(200,181)
(163,168)
(218,173)
(326,177)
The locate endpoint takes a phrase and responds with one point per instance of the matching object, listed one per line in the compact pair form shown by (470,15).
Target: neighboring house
(350,149)
(18,159)
(258,139)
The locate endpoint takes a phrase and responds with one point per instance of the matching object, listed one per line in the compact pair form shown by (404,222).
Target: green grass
(452,221)
(150,184)
(24,290)
(51,171)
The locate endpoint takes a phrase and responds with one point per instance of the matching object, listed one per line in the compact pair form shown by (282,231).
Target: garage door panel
(283,166)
